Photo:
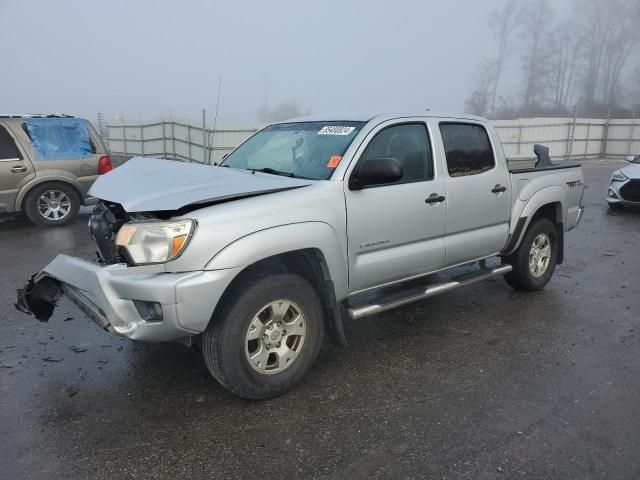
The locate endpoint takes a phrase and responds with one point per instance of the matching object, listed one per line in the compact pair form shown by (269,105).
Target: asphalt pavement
(477,383)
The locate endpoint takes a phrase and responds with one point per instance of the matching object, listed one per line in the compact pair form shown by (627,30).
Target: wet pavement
(477,383)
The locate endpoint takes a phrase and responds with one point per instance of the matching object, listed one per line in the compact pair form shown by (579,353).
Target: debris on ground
(51,359)
(71,391)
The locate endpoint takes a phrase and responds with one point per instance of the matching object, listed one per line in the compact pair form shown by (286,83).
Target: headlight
(155,242)
(619,177)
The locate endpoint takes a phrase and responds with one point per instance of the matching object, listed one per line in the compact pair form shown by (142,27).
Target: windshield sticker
(336,130)
(334,161)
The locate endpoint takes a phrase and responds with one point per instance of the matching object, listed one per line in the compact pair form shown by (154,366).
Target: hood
(631,171)
(152,184)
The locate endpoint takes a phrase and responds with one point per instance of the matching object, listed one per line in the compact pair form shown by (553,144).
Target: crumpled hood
(632,171)
(152,184)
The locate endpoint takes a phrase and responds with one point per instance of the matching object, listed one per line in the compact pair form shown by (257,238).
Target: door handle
(499,188)
(434,198)
(18,169)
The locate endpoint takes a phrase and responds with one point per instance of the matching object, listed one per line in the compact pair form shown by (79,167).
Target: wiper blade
(273,171)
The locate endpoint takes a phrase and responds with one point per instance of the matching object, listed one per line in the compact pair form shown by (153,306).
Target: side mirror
(630,158)
(376,171)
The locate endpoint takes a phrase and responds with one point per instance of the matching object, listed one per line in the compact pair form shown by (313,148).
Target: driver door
(393,233)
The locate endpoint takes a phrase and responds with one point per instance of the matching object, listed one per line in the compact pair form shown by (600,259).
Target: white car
(624,187)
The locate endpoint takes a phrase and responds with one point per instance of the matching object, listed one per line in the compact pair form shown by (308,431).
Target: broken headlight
(155,241)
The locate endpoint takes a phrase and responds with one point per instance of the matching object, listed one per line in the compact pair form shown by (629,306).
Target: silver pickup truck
(309,223)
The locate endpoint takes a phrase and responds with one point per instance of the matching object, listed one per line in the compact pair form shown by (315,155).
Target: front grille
(631,191)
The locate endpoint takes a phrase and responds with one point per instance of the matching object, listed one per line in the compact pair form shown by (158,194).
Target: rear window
(8,148)
(59,138)
(467,149)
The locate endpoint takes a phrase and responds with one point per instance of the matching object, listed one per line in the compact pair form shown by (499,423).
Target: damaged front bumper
(111,296)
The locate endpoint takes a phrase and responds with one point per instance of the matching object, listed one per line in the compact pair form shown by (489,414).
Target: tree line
(584,60)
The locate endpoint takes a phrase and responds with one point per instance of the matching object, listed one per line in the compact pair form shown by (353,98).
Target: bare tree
(566,58)
(535,21)
(480,100)
(583,58)
(611,33)
(503,24)
(622,39)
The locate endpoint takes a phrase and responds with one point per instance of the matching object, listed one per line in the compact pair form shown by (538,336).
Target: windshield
(305,150)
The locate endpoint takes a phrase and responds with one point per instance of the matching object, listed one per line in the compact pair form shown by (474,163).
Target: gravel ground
(480,383)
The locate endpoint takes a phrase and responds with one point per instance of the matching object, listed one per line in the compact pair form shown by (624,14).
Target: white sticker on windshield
(336,130)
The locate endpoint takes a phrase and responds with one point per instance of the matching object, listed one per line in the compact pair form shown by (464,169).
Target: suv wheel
(535,260)
(265,337)
(52,204)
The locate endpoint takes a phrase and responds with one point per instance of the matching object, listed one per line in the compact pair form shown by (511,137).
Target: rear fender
(55,176)
(527,211)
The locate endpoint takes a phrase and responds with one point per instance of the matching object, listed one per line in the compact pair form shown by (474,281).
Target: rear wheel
(52,204)
(535,259)
(265,336)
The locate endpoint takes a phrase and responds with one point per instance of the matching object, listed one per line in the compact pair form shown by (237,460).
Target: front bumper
(106,294)
(615,192)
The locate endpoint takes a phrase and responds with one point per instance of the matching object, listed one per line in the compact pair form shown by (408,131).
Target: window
(59,138)
(467,148)
(408,143)
(8,148)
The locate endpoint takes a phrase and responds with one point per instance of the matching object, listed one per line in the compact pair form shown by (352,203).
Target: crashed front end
(144,284)
(141,302)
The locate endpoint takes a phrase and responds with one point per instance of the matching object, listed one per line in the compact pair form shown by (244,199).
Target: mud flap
(334,314)
(39,297)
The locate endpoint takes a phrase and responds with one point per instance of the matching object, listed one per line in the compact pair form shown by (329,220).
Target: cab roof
(366,117)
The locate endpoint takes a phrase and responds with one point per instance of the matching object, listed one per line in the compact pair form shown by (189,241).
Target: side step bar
(381,306)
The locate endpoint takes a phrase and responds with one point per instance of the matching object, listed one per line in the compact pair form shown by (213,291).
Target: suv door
(15,170)
(392,232)
(478,200)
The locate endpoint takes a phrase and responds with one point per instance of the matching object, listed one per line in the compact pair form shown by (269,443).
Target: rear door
(392,232)
(15,169)
(478,200)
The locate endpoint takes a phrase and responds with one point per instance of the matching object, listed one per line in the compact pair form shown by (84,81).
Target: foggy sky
(112,56)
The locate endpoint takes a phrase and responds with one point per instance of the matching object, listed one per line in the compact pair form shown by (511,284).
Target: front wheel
(265,336)
(535,259)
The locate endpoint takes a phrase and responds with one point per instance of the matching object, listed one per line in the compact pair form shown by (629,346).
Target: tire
(227,349)
(616,207)
(62,209)
(531,278)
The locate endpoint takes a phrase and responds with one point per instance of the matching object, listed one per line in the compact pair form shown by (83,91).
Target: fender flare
(520,224)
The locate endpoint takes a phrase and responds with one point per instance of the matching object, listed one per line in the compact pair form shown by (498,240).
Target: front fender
(287,238)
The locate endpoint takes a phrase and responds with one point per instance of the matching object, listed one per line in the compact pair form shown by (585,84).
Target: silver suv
(47,164)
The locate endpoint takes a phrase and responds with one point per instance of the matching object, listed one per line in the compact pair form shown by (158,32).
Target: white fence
(567,138)
(178,140)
